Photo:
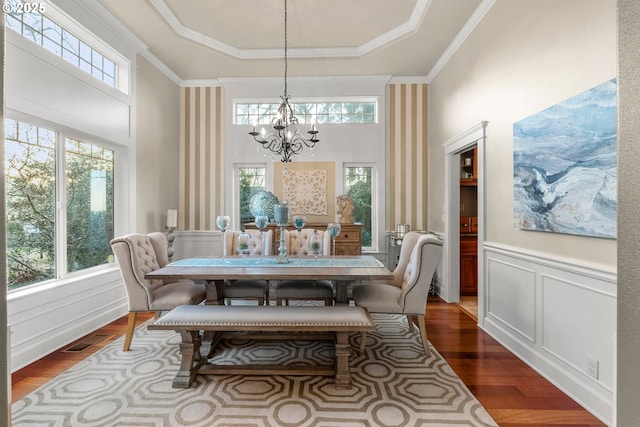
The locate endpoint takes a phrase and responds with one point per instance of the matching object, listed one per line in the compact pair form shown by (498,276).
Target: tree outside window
(359,186)
(31,196)
(251,181)
(32,174)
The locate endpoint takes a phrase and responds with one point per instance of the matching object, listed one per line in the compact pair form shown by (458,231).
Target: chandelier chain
(284,138)
(285,48)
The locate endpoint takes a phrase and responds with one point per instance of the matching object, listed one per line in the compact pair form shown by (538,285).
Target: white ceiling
(211,39)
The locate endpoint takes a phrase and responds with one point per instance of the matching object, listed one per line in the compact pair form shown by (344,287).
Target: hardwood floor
(514,394)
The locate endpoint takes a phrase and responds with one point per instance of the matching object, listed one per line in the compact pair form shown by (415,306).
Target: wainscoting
(559,317)
(46,317)
(192,244)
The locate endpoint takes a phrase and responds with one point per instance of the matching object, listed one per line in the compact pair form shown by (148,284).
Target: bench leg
(363,341)
(191,359)
(343,350)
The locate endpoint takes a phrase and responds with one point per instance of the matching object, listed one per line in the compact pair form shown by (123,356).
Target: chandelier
(284,138)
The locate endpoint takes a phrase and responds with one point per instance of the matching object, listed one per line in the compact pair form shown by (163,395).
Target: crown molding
(307,81)
(408,79)
(390,36)
(101,13)
(468,27)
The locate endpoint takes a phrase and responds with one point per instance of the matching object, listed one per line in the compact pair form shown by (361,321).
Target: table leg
(213,290)
(342,292)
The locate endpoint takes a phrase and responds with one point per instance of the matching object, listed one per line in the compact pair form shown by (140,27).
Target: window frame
(236,187)
(374,199)
(86,37)
(62,274)
(272,104)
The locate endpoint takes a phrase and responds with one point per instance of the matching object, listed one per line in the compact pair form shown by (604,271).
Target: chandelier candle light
(285,139)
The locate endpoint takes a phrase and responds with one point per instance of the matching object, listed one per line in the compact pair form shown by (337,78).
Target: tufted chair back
(260,244)
(138,254)
(418,273)
(408,243)
(298,243)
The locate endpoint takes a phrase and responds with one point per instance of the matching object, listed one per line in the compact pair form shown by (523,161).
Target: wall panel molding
(555,314)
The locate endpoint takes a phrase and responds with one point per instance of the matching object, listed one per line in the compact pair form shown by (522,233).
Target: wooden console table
(348,242)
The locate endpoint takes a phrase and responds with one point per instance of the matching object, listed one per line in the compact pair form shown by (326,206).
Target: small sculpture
(344,209)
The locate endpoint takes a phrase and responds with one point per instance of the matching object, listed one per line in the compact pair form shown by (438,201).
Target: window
(250,181)
(89,194)
(43,242)
(359,185)
(323,112)
(32,20)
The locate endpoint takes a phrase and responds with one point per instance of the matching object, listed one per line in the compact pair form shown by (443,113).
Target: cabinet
(469,168)
(468,224)
(348,242)
(468,265)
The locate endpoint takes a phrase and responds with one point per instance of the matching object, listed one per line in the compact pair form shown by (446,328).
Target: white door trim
(475,136)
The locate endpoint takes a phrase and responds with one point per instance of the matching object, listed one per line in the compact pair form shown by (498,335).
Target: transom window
(34,25)
(322,112)
(59,200)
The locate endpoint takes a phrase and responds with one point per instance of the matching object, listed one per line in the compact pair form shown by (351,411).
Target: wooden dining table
(342,270)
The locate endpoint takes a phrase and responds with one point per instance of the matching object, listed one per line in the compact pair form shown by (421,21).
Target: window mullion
(61,207)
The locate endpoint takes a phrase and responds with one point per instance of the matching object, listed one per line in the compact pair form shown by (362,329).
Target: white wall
(157,147)
(340,143)
(522,58)
(44,88)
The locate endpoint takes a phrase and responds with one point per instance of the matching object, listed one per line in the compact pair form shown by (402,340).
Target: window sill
(30,290)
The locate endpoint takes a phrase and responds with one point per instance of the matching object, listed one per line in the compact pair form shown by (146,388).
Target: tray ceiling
(210,39)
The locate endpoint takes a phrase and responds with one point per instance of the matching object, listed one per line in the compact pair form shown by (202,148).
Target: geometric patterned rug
(394,384)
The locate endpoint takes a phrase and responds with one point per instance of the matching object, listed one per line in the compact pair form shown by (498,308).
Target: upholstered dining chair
(259,245)
(286,290)
(407,293)
(138,254)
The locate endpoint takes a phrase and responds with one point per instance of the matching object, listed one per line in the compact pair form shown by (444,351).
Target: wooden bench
(263,322)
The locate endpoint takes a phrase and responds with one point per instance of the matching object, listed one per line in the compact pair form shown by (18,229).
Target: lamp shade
(172,218)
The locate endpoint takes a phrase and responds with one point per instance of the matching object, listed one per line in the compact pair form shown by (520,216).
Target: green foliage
(360,192)
(251,182)
(31,210)
(89,230)
(30,187)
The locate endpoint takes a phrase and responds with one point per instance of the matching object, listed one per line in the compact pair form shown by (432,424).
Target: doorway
(469,232)
(458,176)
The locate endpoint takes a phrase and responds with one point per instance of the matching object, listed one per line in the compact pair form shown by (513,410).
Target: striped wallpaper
(202,182)
(202,144)
(407,156)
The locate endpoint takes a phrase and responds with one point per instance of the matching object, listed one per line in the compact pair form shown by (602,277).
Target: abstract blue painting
(565,166)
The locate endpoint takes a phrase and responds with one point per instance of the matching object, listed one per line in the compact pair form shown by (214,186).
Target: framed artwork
(308,188)
(565,166)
